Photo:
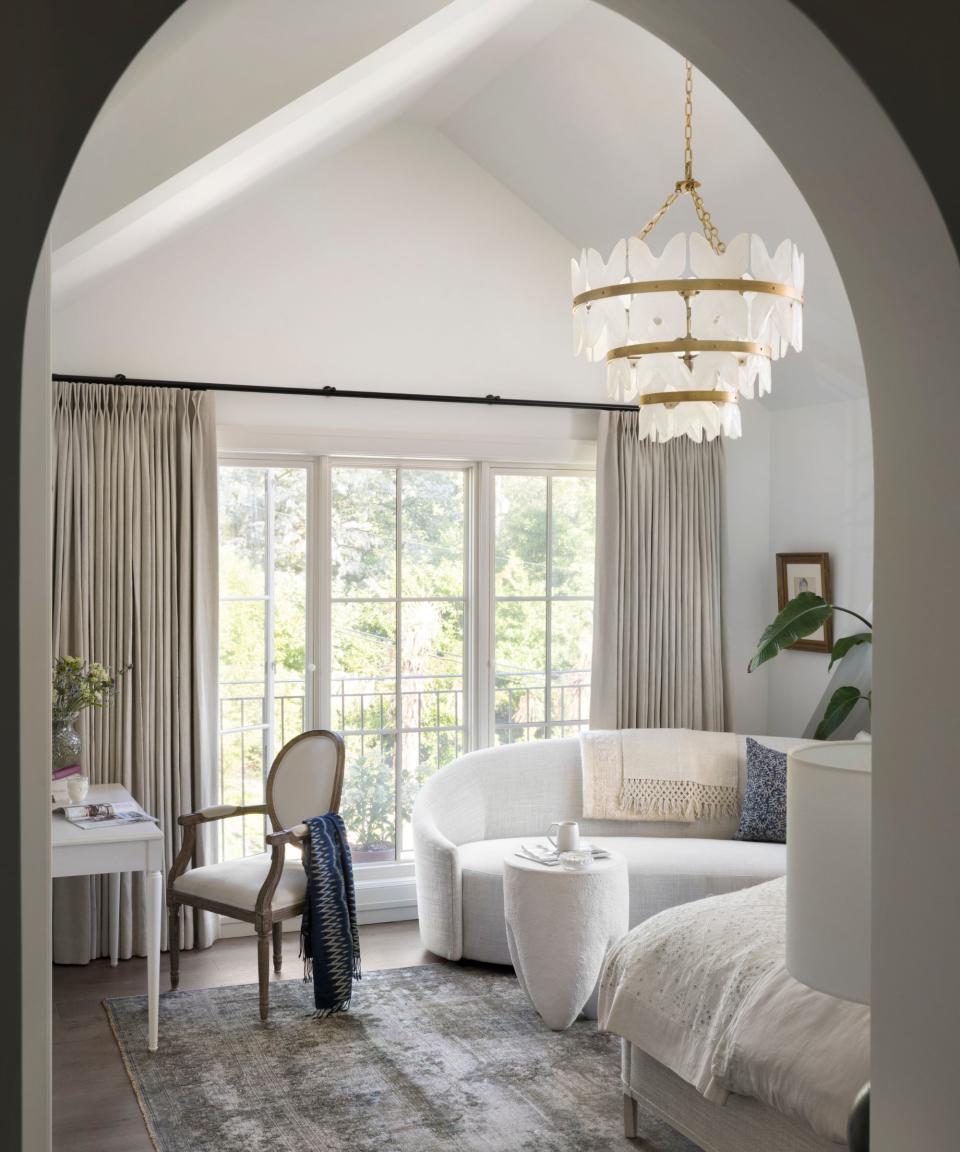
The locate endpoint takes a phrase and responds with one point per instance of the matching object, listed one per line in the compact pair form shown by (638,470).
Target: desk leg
(154,902)
(114,918)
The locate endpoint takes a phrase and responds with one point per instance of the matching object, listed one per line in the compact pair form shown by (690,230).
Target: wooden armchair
(305,780)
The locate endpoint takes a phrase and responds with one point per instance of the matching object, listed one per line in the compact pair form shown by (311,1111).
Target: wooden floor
(94,1108)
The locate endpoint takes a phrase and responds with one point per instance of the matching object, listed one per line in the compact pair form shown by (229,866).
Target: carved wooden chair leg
(263,970)
(278,947)
(174,920)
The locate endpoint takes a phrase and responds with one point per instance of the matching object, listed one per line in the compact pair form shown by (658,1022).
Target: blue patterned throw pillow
(764,812)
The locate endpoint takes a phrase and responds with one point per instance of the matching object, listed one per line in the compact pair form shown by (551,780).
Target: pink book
(69,770)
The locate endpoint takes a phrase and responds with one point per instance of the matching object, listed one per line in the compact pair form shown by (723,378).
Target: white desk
(112,850)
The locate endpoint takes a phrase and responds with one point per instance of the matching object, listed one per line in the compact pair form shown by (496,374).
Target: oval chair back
(306,779)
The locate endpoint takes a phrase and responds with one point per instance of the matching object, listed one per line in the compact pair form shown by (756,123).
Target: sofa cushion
(663,871)
(763,815)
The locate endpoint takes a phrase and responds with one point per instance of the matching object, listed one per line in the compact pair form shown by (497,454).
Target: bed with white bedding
(711,1019)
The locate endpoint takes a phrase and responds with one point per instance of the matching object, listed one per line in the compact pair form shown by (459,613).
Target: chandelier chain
(661,212)
(688,122)
(688,184)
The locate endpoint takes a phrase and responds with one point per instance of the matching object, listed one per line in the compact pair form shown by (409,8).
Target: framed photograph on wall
(805,572)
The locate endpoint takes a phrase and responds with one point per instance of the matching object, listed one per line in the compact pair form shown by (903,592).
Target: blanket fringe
(686,800)
(323,1013)
(307,961)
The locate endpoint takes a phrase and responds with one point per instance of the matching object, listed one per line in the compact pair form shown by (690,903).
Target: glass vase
(66,743)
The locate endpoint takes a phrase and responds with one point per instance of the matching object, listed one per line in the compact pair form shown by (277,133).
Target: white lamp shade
(828,868)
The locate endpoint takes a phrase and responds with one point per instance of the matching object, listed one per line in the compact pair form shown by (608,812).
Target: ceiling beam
(357,99)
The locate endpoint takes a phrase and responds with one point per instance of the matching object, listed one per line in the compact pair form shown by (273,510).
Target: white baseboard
(380,901)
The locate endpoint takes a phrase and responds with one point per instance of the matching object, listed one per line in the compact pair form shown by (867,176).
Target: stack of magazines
(105,815)
(547,854)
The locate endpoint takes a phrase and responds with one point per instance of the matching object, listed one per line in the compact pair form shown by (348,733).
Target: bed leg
(629,1116)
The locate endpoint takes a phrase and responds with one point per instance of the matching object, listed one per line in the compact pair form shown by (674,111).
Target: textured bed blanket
(659,774)
(703,988)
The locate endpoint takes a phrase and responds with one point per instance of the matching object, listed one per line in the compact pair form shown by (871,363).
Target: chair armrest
(190,821)
(276,840)
(221,812)
(295,836)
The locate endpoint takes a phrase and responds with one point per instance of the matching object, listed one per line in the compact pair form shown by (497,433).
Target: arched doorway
(903,280)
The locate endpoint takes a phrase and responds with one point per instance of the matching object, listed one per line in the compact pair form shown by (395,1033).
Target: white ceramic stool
(560,926)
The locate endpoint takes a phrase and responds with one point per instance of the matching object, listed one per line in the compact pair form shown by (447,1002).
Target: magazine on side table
(105,815)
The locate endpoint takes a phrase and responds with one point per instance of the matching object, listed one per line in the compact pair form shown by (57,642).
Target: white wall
(821,501)
(398,263)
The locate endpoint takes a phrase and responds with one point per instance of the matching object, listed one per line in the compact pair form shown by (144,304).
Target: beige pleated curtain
(135,582)
(657,642)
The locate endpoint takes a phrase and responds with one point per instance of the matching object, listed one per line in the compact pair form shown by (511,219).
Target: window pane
(569,703)
(571,636)
(364,709)
(521,638)
(242,514)
(572,517)
(543,689)
(521,535)
(242,638)
(431,639)
(363,532)
(290,603)
(363,640)
(432,522)
(520,692)
(397,733)
(431,699)
(368,805)
(263,527)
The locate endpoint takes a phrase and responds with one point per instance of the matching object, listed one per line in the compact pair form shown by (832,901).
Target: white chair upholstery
(238,882)
(470,814)
(305,780)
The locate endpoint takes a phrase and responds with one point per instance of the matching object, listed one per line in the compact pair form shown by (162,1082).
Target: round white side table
(560,926)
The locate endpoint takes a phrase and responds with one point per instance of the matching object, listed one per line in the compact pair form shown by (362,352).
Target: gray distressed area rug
(438,1057)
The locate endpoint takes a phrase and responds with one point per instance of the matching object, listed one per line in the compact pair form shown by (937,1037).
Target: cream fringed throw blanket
(659,774)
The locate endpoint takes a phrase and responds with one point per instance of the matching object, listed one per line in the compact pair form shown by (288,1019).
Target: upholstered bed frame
(741,1125)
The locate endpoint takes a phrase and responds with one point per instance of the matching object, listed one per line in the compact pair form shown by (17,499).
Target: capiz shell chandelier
(687,332)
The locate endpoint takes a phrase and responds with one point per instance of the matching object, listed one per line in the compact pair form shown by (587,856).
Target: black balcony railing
(427,720)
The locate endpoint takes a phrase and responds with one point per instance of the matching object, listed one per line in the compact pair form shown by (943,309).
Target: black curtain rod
(353,394)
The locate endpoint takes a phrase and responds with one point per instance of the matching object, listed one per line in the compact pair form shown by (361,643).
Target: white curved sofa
(473,812)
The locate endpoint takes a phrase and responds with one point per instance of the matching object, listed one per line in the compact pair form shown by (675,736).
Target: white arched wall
(903,279)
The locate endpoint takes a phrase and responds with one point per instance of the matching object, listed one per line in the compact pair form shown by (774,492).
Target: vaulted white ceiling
(570,106)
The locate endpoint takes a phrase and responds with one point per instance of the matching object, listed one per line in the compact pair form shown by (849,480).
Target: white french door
(420,608)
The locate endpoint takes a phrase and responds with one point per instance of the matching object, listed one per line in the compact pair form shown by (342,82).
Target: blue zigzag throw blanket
(329,935)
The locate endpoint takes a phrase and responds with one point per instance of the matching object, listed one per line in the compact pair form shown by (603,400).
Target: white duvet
(703,988)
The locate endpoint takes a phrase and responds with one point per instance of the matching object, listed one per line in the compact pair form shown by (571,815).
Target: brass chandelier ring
(687,288)
(671,399)
(689,344)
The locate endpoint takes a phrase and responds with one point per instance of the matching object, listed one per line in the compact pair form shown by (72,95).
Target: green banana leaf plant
(801,617)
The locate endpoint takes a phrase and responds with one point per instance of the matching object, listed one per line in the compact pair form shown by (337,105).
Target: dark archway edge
(59,62)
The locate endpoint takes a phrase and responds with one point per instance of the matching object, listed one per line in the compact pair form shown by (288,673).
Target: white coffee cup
(567,837)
